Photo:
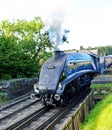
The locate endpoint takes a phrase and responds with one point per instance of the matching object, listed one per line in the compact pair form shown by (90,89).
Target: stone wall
(14,88)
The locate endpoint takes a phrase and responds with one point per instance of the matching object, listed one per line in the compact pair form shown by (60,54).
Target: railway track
(34,116)
(13,110)
(49,119)
(15,101)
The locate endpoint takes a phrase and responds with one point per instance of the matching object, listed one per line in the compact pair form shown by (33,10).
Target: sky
(89,21)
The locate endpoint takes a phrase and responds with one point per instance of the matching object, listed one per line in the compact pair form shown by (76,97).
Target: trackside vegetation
(101,85)
(100,118)
(22,48)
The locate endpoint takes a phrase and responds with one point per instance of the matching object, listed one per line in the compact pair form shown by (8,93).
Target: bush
(6,76)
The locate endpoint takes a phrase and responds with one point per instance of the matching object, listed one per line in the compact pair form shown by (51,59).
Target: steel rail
(63,113)
(20,124)
(20,109)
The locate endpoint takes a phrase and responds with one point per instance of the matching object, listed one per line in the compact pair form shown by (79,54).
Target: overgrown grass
(3,97)
(101,85)
(100,118)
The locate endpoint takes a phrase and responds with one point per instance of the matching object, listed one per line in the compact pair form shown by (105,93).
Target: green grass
(101,85)
(100,118)
(3,97)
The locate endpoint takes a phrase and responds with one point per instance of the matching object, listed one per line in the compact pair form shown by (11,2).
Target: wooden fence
(79,113)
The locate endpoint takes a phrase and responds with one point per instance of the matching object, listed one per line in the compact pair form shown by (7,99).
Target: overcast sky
(89,21)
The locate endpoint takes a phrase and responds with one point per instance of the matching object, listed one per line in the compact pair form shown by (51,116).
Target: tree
(104,51)
(21,47)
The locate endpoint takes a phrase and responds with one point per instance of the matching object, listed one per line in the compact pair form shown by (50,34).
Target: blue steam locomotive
(64,75)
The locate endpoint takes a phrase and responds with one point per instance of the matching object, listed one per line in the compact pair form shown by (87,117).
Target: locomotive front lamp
(57,97)
(36,88)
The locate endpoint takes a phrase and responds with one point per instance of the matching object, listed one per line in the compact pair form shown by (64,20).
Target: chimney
(57,54)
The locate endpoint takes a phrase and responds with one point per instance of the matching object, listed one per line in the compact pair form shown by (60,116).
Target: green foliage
(3,97)
(103,51)
(101,85)
(21,48)
(100,116)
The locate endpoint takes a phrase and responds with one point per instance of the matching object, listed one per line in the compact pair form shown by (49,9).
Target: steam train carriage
(63,76)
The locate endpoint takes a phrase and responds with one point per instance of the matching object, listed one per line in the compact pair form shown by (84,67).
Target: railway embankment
(100,118)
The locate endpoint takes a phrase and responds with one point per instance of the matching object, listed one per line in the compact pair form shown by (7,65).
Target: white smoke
(54,26)
(55,32)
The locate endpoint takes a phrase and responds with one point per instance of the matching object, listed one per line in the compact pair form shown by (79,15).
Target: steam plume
(54,26)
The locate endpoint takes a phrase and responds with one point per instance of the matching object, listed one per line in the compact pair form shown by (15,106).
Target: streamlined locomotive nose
(50,73)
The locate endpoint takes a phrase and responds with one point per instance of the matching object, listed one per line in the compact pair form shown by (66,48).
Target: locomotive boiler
(65,75)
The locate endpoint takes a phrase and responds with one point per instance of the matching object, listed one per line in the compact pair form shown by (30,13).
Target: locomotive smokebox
(58,54)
